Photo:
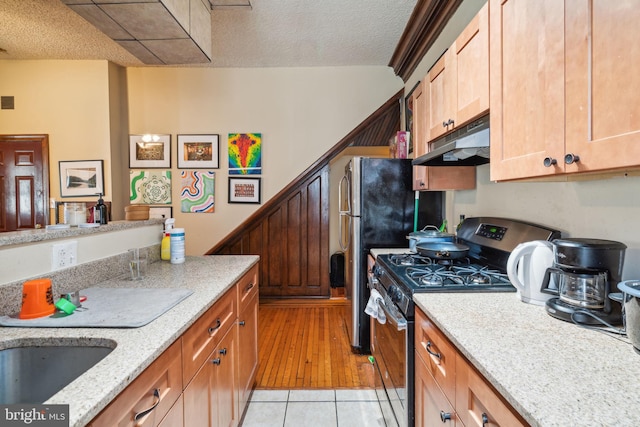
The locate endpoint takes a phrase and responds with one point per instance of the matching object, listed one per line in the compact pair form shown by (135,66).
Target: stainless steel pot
(429,234)
(631,301)
(443,250)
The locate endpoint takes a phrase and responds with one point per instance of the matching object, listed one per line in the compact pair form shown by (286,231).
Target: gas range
(490,241)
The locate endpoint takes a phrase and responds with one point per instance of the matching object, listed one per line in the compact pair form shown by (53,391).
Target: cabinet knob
(216,361)
(485,419)
(548,162)
(571,158)
(241,323)
(445,416)
(223,351)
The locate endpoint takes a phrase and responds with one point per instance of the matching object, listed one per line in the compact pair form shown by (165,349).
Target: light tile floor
(317,408)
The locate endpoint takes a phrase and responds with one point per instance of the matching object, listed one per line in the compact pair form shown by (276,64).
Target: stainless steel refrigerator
(377,210)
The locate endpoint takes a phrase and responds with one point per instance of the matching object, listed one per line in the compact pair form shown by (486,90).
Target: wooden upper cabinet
(471,51)
(441,90)
(526,87)
(419,133)
(458,83)
(602,84)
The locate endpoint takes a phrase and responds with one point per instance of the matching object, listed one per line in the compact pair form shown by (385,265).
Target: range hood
(467,146)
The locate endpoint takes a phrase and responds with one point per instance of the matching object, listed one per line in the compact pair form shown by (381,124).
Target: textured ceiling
(274,33)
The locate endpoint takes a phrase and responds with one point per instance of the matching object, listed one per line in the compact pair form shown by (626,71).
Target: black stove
(490,242)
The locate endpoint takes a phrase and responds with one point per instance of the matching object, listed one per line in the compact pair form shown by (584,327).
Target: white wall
(301,113)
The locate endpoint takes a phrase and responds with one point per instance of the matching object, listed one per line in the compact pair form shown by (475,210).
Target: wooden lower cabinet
(449,390)
(205,377)
(149,397)
(210,399)
(432,406)
(247,335)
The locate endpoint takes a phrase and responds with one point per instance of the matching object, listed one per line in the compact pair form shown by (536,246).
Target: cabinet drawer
(157,388)
(201,338)
(247,287)
(432,407)
(477,403)
(437,353)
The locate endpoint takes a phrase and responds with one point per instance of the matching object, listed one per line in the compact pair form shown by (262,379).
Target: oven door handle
(399,322)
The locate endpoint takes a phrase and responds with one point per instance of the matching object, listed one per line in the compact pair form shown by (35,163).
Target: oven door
(391,356)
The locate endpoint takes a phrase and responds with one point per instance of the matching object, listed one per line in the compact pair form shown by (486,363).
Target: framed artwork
(81,178)
(198,151)
(408,115)
(150,187)
(245,153)
(197,192)
(161,212)
(149,151)
(244,190)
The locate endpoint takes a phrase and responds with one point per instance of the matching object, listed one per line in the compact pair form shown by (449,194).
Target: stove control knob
(394,293)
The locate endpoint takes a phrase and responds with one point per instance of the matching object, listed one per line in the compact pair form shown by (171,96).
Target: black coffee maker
(584,273)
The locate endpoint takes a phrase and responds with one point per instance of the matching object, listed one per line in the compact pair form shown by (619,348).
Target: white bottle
(177,245)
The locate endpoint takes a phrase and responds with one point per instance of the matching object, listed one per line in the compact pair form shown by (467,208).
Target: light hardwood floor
(303,344)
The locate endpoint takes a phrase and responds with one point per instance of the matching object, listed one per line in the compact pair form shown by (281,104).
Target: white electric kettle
(526,267)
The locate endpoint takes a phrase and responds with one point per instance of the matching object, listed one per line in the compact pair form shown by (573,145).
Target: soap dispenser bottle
(165,245)
(100,215)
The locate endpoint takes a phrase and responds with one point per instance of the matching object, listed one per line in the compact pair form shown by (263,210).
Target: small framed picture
(244,190)
(198,151)
(150,151)
(81,178)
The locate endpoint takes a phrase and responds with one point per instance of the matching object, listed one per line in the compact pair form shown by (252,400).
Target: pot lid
(589,243)
(430,231)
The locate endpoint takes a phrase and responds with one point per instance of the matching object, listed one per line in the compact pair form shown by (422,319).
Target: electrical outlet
(64,255)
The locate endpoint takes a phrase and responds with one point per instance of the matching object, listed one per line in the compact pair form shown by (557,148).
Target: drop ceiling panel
(177,51)
(139,51)
(102,21)
(146,21)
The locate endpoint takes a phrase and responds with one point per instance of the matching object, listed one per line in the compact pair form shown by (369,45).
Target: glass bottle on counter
(460,223)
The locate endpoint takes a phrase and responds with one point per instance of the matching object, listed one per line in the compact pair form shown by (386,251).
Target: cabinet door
(476,402)
(210,399)
(471,50)
(602,84)
(526,87)
(441,88)
(431,406)
(420,133)
(247,351)
(150,396)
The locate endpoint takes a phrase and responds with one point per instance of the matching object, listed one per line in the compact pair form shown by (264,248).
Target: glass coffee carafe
(582,289)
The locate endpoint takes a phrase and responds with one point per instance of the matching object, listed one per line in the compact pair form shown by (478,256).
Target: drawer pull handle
(212,329)
(445,416)
(485,419)
(431,352)
(156,395)
(223,351)
(241,323)
(249,287)
(216,361)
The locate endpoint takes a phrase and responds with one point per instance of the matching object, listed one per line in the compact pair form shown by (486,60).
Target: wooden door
(602,84)
(526,90)
(24,181)
(471,51)
(441,96)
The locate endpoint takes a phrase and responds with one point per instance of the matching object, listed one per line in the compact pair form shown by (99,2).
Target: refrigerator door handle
(345,235)
(341,199)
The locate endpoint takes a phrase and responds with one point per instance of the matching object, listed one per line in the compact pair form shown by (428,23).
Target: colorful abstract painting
(245,154)
(197,193)
(150,187)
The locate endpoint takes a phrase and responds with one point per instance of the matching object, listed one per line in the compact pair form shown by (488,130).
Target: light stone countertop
(39,235)
(208,276)
(552,372)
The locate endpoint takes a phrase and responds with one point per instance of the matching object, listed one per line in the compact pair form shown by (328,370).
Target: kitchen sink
(31,373)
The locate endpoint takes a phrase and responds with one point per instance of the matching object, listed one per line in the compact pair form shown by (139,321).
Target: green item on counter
(443,226)
(372,360)
(65,306)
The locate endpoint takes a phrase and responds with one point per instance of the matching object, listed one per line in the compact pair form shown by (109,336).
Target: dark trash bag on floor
(336,274)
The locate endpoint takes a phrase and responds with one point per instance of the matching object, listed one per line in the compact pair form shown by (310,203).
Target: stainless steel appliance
(397,277)
(378,209)
(583,275)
